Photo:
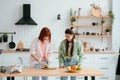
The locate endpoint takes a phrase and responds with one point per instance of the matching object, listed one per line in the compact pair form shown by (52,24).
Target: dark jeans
(10,78)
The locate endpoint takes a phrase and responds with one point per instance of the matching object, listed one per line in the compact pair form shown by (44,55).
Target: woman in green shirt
(70,52)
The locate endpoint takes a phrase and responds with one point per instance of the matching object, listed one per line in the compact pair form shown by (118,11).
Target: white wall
(116,25)
(44,12)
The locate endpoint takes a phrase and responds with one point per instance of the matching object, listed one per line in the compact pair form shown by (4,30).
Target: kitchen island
(86,71)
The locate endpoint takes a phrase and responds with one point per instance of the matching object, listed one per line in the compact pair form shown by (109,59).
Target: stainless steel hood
(26,19)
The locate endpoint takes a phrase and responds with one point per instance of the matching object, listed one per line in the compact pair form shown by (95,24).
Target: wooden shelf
(80,35)
(75,25)
(100,52)
(90,17)
(81,24)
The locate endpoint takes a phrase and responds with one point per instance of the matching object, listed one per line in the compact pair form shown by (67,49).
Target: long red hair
(45,32)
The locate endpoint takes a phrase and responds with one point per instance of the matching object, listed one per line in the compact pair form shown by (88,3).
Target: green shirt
(77,52)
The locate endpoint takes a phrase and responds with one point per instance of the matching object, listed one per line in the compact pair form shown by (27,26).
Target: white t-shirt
(36,49)
(69,49)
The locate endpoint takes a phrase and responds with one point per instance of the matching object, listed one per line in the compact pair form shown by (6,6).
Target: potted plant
(72,19)
(5,37)
(107,31)
(111,15)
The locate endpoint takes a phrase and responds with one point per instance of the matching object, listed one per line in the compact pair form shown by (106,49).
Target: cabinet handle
(104,68)
(104,77)
(104,58)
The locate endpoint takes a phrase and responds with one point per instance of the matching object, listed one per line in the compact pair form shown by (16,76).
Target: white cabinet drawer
(108,69)
(105,78)
(106,58)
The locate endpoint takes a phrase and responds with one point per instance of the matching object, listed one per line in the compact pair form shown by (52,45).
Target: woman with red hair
(39,51)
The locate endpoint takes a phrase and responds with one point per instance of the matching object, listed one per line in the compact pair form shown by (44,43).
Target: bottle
(79,11)
(75,13)
(71,13)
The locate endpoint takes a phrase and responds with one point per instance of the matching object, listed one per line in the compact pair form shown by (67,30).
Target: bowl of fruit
(74,68)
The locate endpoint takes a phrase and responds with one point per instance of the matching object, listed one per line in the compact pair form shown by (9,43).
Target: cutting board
(20,45)
(49,68)
(96,12)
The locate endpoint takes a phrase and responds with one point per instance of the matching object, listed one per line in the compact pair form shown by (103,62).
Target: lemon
(68,67)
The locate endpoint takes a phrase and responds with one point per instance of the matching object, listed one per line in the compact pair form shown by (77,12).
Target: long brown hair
(69,31)
(45,32)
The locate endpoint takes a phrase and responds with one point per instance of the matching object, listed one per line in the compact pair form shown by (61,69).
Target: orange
(74,67)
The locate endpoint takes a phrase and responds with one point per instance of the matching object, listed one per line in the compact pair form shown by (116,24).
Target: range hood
(26,19)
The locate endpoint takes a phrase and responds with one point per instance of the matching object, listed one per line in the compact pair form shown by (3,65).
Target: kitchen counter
(56,52)
(56,72)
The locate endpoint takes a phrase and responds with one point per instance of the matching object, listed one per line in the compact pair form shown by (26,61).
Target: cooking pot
(12,44)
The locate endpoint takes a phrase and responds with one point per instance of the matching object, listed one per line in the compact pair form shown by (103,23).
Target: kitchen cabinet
(106,63)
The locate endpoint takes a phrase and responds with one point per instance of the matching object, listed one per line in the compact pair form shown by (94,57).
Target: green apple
(79,68)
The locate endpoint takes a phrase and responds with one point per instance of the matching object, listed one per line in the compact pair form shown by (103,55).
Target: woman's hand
(47,60)
(61,67)
(42,64)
